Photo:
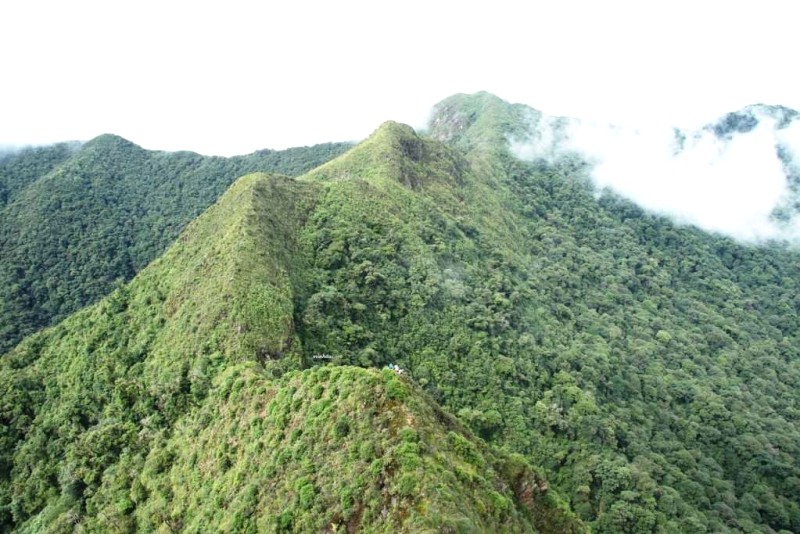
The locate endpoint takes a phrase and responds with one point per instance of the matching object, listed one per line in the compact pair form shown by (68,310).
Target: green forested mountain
(178,403)
(606,367)
(74,219)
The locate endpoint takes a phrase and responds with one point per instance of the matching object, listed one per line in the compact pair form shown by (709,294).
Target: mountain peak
(749,117)
(479,121)
(108,140)
(395,129)
(395,152)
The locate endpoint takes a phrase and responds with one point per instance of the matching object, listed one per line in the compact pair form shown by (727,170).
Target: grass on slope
(106,382)
(79,220)
(330,449)
(157,409)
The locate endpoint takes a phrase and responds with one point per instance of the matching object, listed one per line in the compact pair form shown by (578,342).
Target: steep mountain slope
(99,411)
(119,374)
(664,360)
(650,368)
(78,219)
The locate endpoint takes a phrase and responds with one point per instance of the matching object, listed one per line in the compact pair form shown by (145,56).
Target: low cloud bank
(739,176)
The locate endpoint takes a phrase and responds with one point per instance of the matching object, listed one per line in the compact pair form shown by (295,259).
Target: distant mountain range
(747,119)
(75,218)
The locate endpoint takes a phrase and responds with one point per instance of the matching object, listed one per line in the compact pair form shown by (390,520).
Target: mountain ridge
(165,349)
(647,371)
(77,220)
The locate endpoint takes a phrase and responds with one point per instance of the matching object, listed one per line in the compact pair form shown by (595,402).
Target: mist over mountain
(737,176)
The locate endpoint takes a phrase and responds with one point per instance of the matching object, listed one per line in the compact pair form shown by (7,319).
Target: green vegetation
(75,220)
(88,399)
(651,370)
(168,405)
(646,373)
(328,448)
(19,169)
(479,122)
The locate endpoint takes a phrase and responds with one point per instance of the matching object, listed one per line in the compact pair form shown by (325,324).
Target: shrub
(342,427)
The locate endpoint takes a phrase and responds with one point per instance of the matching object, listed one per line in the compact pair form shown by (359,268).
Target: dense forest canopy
(76,219)
(605,367)
(200,349)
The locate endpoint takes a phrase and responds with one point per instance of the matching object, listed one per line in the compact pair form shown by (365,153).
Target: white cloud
(731,186)
(790,137)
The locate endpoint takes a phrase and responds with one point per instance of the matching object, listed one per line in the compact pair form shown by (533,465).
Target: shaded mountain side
(118,375)
(20,168)
(80,219)
(112,416)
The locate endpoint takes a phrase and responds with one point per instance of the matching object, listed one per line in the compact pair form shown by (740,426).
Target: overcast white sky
(232,77)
